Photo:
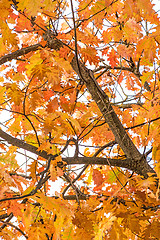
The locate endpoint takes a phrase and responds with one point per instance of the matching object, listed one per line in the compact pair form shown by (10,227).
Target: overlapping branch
(134,160)
(124,163)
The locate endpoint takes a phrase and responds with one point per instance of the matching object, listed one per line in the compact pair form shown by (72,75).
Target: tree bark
(137,160)
(124,163)
(102,100)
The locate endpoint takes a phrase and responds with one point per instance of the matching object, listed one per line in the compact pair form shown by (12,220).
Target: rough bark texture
(134,159)
(18,53)
(125,163)
(122,138)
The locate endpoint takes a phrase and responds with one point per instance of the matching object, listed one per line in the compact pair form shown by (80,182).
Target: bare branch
(18,229)
(125,163)
(6,221)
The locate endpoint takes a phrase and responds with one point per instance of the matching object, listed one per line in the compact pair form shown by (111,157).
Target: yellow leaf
(2,94)
(146,182)
(147,76)
(8,37)
(35,60)
(28,190)
(4,9)
(132,30)
(31,6)
(48,147)
(62,63)
(89,178)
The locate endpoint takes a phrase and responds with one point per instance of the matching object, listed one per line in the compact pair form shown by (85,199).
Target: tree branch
(103,103)
(118,162)
(111,118)
(21,144)
(18,53)
(115,162)
(18,229)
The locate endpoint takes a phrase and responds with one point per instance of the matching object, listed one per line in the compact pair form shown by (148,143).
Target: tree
(79,91)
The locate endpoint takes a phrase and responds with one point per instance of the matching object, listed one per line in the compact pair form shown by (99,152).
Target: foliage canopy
(79,105)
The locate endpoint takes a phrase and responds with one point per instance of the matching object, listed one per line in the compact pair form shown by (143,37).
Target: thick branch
(111,118)
(116,162)
(18,53)
(104,105)
(21,144)
(108,112)
(102,100)
(124,163)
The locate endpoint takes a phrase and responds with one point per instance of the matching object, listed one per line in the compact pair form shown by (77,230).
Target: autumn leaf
(32,169)
(112,57)
(80,125)
(90,55)
(132,30)
(147,46)
(21,21)
(7,35)
(97,177)
(146,182)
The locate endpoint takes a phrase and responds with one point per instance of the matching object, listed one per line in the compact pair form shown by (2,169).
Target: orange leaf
(112,58)
(97,177)
(32,169)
